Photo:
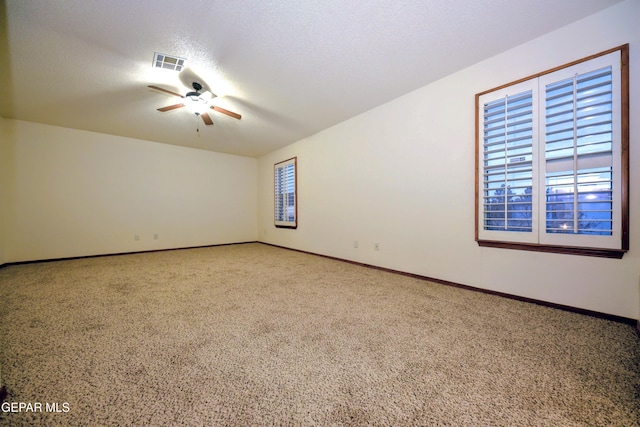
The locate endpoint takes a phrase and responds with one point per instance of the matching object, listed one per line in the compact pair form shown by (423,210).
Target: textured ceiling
(290,67)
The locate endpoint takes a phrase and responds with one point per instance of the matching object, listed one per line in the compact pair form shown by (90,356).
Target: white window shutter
(507,164)
(285,201)
(581,177)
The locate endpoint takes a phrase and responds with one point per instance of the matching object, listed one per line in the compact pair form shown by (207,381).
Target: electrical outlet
(136,237)
(155,237)
(355,244)
(376,246)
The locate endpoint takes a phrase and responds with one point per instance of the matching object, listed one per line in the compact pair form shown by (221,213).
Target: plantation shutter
(508,162)
(552,159)
(285,194)
(580,156)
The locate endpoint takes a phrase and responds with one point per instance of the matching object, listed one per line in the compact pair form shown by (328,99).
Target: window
(552,160)
(286,203)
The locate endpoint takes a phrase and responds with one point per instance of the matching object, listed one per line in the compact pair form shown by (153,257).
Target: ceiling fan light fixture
(194,103)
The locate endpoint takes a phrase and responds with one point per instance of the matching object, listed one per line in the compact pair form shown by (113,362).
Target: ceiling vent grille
(168,62)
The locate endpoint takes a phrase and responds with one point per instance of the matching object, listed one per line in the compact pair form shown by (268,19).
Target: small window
(286,197)
(552,160)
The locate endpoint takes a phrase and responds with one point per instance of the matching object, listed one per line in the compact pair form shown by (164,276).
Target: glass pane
(591,212)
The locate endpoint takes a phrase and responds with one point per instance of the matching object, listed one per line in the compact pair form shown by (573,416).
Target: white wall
(402,175)
(76,193)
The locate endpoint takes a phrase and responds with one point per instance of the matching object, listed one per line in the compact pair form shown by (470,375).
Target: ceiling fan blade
(206,119)
(165,91)
(227,112)
(170,107)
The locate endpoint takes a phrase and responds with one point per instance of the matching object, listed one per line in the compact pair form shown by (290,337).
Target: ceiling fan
(197,102)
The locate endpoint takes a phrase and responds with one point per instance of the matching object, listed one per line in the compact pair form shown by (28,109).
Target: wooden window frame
(624,166)
(286,224)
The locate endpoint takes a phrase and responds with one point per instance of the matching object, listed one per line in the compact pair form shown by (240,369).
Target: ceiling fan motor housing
(195,95)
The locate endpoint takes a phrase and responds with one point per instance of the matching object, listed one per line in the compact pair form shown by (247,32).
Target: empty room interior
(320,213)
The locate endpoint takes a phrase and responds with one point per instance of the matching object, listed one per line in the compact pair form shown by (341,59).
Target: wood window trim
(567,250)
(570,250)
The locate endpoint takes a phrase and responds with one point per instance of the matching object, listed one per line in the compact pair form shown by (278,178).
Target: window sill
(567,250)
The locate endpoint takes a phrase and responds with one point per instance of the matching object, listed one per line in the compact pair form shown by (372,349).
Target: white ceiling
(290,67)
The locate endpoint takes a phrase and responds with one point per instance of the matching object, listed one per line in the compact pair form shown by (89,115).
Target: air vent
(168,62)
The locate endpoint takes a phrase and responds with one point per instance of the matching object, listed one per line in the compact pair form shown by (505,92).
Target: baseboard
(613,317)
(120,253)
(592,313)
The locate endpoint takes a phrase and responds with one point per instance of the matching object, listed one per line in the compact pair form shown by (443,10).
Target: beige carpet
(253,335)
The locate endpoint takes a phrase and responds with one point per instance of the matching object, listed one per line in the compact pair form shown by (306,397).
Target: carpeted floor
(253,335)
